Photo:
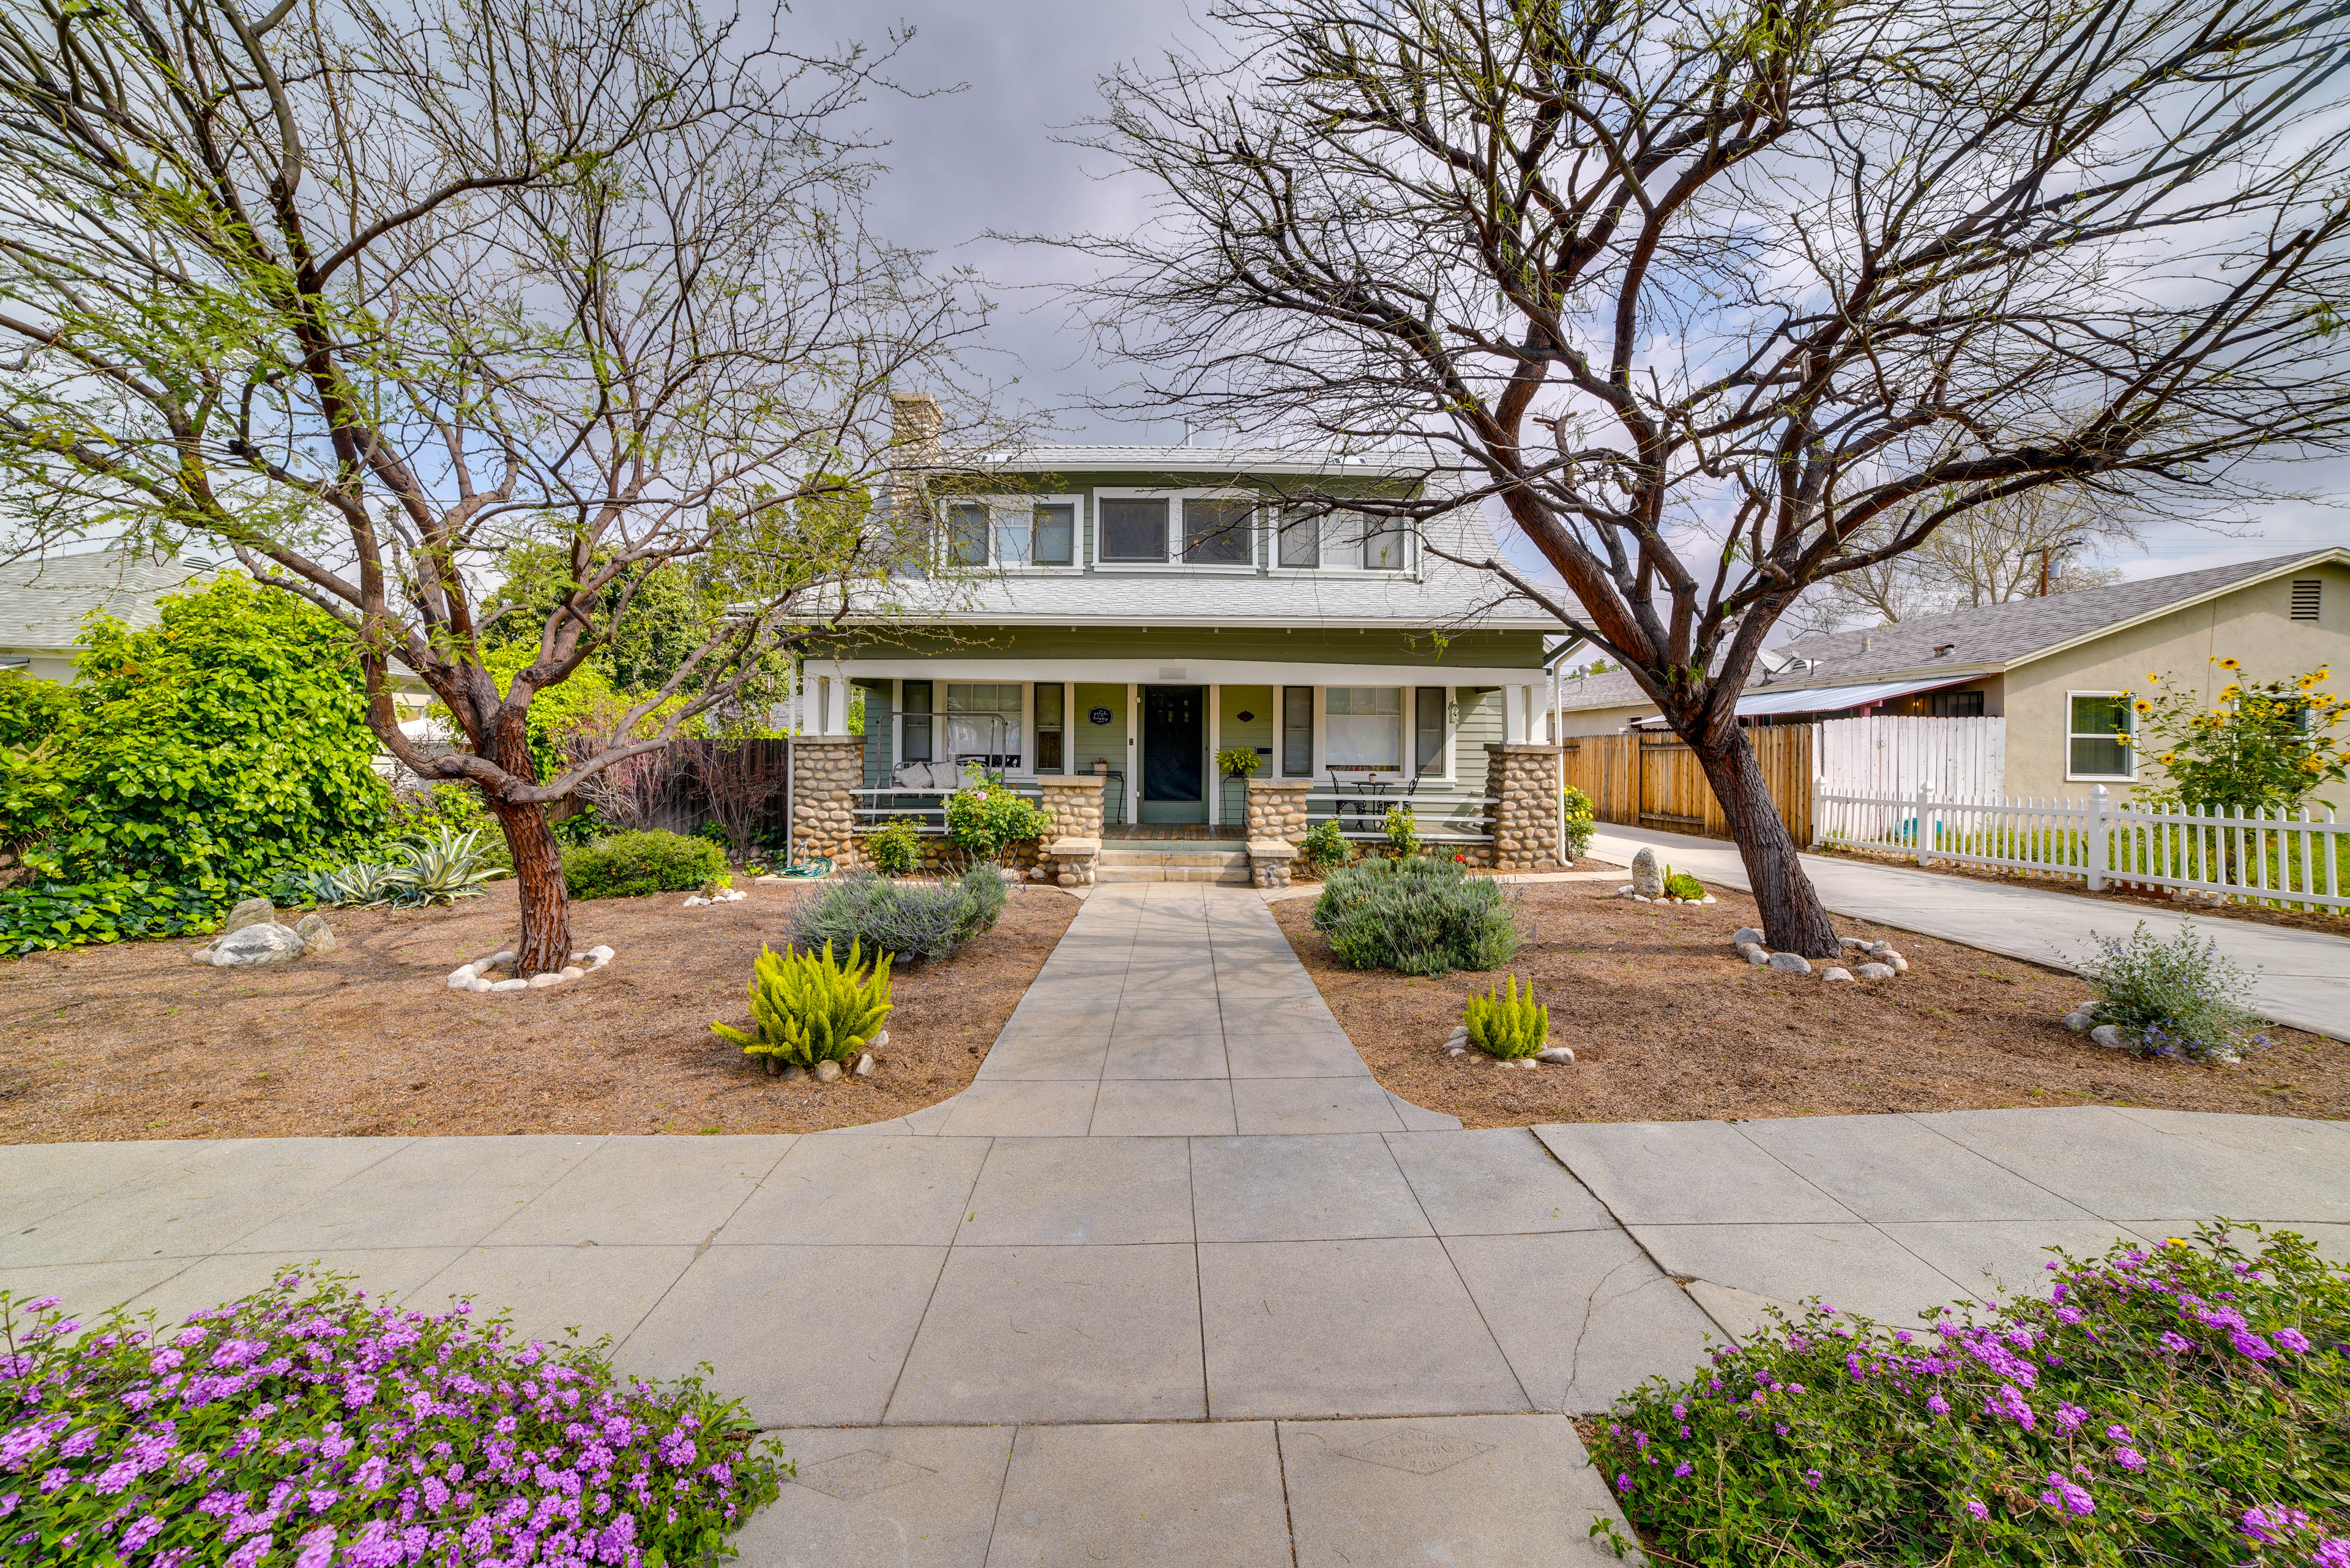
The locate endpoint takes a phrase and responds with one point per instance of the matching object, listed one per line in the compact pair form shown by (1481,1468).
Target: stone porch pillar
(827,770)
(1072,845)
(1525,779)
(1276,821)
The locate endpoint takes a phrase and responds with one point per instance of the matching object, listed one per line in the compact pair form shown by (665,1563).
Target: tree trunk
(545,939)
(1794,920)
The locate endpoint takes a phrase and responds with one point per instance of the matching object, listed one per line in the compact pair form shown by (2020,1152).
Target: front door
(1174,747)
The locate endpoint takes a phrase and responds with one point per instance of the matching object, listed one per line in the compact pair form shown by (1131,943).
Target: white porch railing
(1443,815)
(2258,857)
(926,808)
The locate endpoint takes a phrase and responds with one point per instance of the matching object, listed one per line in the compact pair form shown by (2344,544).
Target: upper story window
(1012,531)
(1189,529)
(1342,540)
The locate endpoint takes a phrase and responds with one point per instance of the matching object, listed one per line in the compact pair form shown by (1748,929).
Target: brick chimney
(915,425)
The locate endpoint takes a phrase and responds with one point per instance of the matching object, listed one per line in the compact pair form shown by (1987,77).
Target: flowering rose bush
(313,1428)
(2172,1403)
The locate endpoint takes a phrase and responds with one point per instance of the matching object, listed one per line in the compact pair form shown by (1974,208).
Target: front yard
(1668,1025)
(132,1041)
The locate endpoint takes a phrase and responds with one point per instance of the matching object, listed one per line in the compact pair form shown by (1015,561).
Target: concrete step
(1229,877)
(1215,855)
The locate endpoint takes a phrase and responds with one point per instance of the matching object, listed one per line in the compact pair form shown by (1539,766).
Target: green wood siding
(1480,723)
(1088,740)
(877,733)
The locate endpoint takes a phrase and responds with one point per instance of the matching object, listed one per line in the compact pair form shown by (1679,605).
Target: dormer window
(1011,532)
(1212,529)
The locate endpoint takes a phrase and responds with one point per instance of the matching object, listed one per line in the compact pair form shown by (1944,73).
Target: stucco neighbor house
(2054,668)
(43,602)
(1120,614)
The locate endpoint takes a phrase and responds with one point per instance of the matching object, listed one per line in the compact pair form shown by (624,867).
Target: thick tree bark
(1793,918)
(545,942)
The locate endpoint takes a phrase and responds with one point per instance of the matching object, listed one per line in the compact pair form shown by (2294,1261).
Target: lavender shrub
(2176,1403)
(309,1427)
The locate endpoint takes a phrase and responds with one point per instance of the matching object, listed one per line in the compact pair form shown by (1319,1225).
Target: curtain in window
(1133,529)
(1364,727)
(983,723)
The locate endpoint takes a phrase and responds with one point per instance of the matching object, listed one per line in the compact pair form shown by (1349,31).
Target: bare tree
(740,781)
(375,296)
(1720,301)
(628,791)
(2020,547)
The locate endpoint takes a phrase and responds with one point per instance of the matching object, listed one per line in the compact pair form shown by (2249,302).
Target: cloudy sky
(986,158)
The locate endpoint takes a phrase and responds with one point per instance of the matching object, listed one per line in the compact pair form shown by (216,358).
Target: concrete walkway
(1305,1336)
(2304,977)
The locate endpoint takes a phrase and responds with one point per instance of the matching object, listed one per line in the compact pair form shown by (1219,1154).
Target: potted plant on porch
(1235,764)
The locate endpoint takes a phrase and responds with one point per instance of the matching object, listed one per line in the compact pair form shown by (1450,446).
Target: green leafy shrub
(1325,844)
(2259,746)
(1579,824)
(631,864)
(985,819)
(298,1426)
(895,850)
(2170,1404)
(2181,998)
(906,919)
(807,1008)
(32,709)
(1503,1023)
(34,785)
(1402,830)
(1681,885)
(1418,916)
(47,914)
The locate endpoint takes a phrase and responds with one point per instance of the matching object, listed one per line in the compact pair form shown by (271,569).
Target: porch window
(983,724)
(1297,732)
(1428,733)
(2098,746)
(1301,541)
(1133,529)
(1216,532)
(1364,727)
(1049,728)
(915,719)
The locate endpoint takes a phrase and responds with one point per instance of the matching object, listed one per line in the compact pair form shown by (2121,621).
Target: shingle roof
(1988,637)
(42,602)
(1218,459)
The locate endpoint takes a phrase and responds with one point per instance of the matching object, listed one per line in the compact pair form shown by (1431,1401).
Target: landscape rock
(1745,936)
(462,978)
(1835,973)
(1707,899)
(1879,950)
(1458,1050)
(878,1040)
(2108,1035)
(317,937)
(1642,899)
(1875,971)
(827,1072)
(544,979)
(2080,1020)
(602,955)
(482,985)
(794,1072)
(1648,879)
(497,959)
(1556,1055)
(1861,944)
(250,912)
(510,985)
(1755,953)
(256,946)
(1624,891)
(1794,963)
(573,971)
(202,955)
(696,901)
(1900,965)
(864,1068)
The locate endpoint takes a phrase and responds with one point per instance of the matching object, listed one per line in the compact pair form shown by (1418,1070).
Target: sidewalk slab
(1301,1189)
(1684,1173)
(899,1496)
(1166,1495)
(1891,1168)
(1852,1267)
(1492,1182)
(860,1191)
(1064,1191)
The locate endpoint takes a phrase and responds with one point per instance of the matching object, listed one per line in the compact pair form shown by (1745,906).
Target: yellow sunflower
(2229,664)
(2143,706)
(2153,680)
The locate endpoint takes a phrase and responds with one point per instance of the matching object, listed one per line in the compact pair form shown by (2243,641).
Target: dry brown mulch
(1668,1025)
(135,1041)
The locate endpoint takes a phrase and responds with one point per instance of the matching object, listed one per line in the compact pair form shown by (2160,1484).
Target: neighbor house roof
(42,602)
(1843,668)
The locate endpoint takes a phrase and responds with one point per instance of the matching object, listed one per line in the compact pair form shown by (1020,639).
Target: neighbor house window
(1301,541)
(1216,532)
(1428,729)
(1133,529)
(1955,705)
(1297,732)
(983,724)
(2099,742)
(914,715)
(1364,727)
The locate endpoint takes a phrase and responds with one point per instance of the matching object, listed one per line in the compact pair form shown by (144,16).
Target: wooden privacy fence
(1654,781)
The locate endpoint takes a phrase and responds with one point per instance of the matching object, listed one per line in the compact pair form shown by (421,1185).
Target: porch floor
(1230,832)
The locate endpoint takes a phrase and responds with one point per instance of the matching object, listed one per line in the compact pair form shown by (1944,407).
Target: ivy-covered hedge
(2171,1404)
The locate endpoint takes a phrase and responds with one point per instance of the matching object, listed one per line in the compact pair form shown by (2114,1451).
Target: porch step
(1173,860)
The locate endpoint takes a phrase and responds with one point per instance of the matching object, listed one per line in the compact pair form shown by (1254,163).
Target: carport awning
(1837,699)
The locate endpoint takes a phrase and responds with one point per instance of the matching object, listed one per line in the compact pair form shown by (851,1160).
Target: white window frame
(1174,561)
(996,506)
(1351,523)
(2072,734)
(1404,751)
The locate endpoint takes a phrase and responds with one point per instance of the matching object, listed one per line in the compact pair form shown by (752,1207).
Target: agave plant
(443,866)
(367,883)
(319,888)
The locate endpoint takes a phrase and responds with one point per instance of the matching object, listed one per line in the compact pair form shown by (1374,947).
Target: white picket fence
(1961,759)
(2266,858)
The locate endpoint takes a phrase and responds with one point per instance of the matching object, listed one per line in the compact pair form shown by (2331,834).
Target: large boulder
(317,937)
(1647,876)
(257,947)
(250,912)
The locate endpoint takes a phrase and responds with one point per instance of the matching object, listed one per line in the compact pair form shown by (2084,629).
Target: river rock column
(1276,821)
(826,771)
(1072,845)
(1524,780)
